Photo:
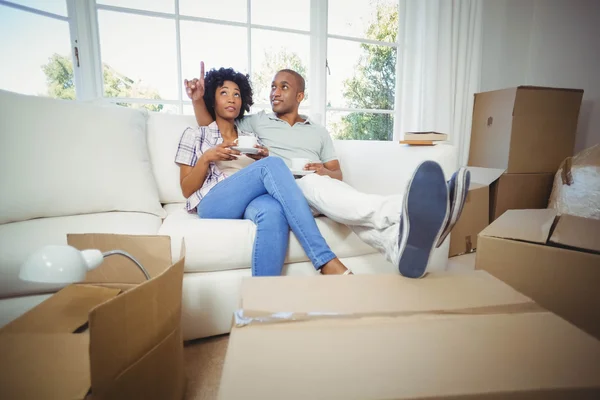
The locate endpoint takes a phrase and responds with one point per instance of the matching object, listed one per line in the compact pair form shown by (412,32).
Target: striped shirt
(193,143)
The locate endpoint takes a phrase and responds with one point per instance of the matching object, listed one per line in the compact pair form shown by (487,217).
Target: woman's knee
(274,161)
(273,213)
(266,209)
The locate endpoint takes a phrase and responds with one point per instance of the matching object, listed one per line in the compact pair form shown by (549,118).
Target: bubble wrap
(576,188)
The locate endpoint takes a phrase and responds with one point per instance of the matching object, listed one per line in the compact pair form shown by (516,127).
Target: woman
(220,182)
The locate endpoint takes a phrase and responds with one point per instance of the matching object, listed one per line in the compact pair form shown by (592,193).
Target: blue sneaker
(458,187)
(423,216)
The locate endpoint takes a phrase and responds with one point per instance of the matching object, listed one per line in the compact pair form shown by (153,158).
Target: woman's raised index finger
(201,69)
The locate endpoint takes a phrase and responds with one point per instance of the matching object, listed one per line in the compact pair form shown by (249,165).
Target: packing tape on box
(252,317)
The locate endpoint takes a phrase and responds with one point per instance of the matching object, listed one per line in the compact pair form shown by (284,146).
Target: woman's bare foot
(335,267)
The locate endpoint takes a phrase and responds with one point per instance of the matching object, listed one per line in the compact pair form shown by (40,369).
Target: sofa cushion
(19,239)
(164,132)
(216,244)
(382,167)
(60,157)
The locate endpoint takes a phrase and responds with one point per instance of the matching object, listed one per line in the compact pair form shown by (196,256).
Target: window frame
(394,111)
(96,57)
(89,86)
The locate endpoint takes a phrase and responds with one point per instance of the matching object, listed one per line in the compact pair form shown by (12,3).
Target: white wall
(546,43)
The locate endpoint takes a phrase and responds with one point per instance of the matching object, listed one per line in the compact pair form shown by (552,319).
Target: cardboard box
(133,347)
(519,192)
(492,193)
(525,129)
(474,218)
(554,260)
(446,336)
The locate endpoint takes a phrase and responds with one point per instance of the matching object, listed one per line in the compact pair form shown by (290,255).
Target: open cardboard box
(554,260)
(519,137)
(116,333)
(448,336)
(491,194)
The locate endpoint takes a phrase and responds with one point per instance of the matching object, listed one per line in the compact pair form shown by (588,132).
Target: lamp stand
(124,253)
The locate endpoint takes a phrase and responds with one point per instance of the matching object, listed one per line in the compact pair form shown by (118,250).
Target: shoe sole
(426,211)
(460,194)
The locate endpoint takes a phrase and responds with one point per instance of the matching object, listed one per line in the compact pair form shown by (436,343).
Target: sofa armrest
(385,167)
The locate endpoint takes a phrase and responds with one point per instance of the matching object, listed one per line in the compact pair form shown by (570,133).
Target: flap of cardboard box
(61,366)
(552,102)
(381,295)
(64,312)
(526,225)
(153,252)
(485,176)
(129,337)
(40,352)
(578,232)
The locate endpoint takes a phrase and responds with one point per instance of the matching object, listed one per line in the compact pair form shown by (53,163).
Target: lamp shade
(59,264)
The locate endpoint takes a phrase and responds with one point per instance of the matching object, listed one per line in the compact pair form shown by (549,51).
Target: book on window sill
(421,136)
(420,142)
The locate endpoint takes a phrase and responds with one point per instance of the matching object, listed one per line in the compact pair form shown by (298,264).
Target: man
(404,227)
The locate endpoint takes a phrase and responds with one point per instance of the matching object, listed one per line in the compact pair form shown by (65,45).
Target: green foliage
(59,77)
(61,83)
(374,83)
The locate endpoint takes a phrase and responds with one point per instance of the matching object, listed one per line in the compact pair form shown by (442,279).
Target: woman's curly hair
(215,78)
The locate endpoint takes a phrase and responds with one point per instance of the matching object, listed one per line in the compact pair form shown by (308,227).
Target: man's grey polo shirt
(303,139)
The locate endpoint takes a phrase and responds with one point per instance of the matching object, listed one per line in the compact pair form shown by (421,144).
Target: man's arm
(333,169)
(330,168)
(203,117)
(195,91)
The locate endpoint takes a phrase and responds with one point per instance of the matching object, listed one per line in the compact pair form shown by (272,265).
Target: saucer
(246,150)
(302,172)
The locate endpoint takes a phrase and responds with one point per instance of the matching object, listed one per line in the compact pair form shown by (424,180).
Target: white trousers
(374,218)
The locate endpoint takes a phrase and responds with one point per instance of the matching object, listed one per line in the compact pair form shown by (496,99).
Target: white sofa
(73,167)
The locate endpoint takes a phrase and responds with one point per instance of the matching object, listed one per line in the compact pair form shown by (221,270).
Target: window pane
(376,19)
(58,7)
(272,51)
(166,6)
(360,126)
(37,70)
(362,75)
(139,56)
(276,13)
(230,10)
(230,50)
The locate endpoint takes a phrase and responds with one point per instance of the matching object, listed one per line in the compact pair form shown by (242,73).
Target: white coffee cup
(246,142)
(298,164)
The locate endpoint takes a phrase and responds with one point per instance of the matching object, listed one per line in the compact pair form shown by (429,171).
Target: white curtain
(439,68)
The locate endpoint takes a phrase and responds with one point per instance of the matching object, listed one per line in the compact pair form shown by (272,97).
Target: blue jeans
(266,193)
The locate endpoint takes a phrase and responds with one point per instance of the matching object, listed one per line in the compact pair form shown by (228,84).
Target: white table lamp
(66,264)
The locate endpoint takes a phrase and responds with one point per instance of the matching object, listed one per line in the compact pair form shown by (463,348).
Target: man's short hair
(299,79)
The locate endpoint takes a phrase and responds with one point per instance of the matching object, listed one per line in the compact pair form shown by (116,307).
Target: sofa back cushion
(60,157)
(164,132)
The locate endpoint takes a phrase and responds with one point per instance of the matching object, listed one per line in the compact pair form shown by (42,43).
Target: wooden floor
(203,365)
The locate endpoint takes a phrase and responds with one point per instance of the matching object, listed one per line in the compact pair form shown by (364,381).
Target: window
(37,60)
(147,48)
(136,53)
(361,58)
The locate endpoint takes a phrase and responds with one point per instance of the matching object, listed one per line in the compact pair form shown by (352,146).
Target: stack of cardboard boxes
(519,137)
